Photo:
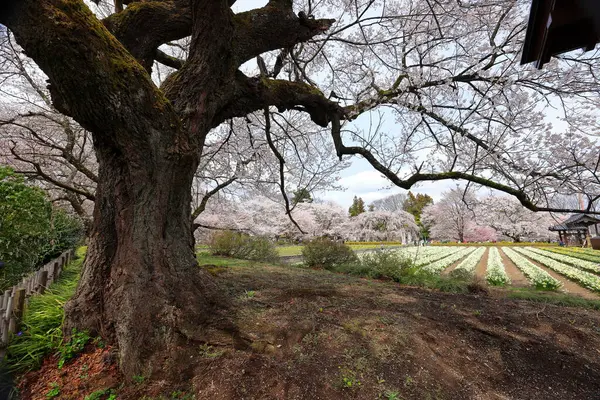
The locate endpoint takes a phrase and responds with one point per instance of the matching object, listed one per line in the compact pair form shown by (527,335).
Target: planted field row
(495,272)
(440,265)
(537,276)
(468,265)
(577,253)
(567,259)
(586,279)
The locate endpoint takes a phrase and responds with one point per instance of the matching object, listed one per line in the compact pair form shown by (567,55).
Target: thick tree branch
(254,94)
(419,177)
(95,70)
(273,27)
(143,26)
(168,60)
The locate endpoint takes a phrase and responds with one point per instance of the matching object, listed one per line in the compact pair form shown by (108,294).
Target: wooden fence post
(17,314)
(42,282)
(55,271)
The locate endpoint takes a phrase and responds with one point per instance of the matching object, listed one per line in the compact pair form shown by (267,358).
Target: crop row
(495,273)
(586,279)
(537,276)
(438,266)
(468,265)
(575,253)
(570,260)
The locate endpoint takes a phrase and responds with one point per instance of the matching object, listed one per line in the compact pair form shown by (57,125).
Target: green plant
(384,264)
(208,351)
(180,395)
(328,254)
(392,395)
(54,390)
(99,343)
(138,379)
(250,293)
(32,230)
(41,331)
(349,380)
(106,394)
(74,346)
(240,245)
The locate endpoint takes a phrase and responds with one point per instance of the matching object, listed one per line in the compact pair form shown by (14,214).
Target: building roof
(559,26)
(576,222)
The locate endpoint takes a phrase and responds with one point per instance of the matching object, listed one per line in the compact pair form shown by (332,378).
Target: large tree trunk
(141,286)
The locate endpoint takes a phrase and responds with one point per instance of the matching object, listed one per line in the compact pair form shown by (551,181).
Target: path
(516,276)
(482,266)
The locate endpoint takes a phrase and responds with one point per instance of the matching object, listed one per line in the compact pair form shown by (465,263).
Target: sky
(361,180)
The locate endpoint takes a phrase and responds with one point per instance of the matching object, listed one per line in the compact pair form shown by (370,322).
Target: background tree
(511,220)
(451,218)
(357,207)
(446,72)
(415,205)
(301,195)
(392,203)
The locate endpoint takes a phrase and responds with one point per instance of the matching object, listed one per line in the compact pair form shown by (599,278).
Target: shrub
(32,231)
(325,253)
(240,245)
(386,264)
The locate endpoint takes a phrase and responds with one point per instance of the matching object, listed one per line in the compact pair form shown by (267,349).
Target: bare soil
(482,266)
(516,276)
(317,335)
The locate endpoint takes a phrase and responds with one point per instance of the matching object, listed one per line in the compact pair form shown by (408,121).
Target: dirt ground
(319,335)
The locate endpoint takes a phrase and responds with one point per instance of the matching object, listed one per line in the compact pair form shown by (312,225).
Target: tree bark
(141,286)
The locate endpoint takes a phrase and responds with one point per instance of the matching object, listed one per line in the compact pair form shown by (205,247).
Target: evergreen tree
(357,207)
(415,205)
(302,195)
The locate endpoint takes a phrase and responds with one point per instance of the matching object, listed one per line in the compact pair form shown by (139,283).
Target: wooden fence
(13,301)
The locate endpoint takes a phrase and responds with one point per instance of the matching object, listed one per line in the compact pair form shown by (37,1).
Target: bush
(325,253)
(240,245)
(32,231)
(386,264)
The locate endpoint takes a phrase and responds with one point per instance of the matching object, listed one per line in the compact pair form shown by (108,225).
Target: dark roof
(559,26)
(576,222)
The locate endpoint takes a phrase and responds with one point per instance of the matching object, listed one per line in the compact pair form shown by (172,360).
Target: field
(575,271)
(314,334)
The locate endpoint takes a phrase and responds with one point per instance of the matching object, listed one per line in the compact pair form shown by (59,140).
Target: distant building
(575,230)
(559,26)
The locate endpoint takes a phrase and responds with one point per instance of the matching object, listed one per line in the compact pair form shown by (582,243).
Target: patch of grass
(139,379)
(41,331)
(207,260)
(102,394)
(296,250)
(558,299)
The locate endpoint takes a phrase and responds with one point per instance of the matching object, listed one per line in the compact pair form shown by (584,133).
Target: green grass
(41,331)
(297,249)
(205,258)
(558,299)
